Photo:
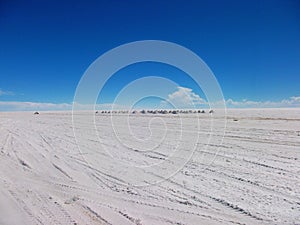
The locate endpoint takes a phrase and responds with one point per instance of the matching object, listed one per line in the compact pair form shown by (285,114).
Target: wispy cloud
(2,92)
(28,106)
(181,98)
(44,106)
(293,101)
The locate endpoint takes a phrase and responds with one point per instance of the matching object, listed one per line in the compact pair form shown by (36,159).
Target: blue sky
(252,47)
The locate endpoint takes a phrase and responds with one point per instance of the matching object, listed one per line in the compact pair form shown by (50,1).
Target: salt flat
(249,175)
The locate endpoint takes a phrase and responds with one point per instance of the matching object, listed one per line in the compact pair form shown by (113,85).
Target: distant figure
(211,111)
(96,112)
(36,113)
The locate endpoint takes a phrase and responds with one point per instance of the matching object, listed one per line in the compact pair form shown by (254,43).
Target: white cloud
(27,106)
(43,106)
(182,98)
(185,98)
(5,92)
(291,102)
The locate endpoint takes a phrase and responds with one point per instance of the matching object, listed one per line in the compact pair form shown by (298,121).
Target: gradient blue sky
(252,47)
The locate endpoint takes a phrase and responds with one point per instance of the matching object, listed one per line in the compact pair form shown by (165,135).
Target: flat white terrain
(251,175)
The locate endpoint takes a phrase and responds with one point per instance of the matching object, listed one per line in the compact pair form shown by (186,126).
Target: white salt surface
(251,177)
